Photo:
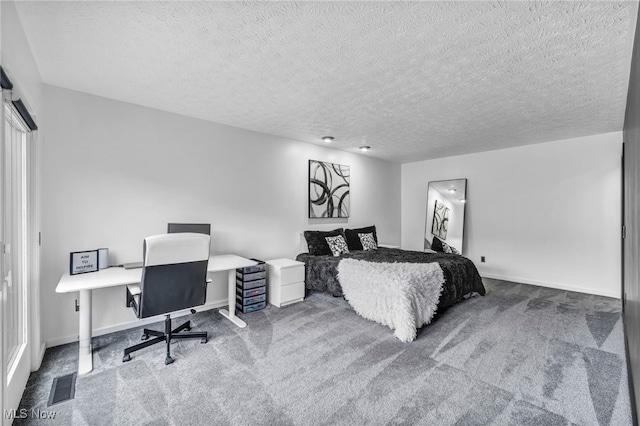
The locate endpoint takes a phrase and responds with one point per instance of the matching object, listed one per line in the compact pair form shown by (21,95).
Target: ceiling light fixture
(365,148)
(327,139)
(463,201)
(452,190)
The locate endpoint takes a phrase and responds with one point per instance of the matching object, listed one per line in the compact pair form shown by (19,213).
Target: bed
(460,274)
(459,278)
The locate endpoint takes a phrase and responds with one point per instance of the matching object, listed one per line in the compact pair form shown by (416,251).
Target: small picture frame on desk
(81,262)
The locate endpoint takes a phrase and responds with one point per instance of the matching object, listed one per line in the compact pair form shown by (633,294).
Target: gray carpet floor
(521,355)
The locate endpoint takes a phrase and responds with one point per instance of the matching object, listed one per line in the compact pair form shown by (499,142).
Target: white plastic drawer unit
(285,281)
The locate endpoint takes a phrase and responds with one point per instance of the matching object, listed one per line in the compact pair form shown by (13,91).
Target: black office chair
(174,278)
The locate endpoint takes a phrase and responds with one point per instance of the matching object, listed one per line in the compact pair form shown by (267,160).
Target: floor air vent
(62,389)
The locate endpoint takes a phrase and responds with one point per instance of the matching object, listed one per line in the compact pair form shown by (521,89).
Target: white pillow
(368,242)
(337,244)
(302,244)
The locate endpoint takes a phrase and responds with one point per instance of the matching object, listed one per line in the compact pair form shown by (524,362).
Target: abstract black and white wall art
(329,186)
(440,220)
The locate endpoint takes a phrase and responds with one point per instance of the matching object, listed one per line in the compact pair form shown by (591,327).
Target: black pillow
(317,243)
(436,245)
(353,240)
(439,245)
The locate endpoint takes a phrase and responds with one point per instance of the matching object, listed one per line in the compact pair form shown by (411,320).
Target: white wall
(115,173)
(18,61)
(545,214)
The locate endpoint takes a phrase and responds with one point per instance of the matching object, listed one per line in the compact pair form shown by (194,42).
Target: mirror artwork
(445,215)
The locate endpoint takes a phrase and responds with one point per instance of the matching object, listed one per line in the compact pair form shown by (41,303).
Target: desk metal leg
(231,313)
(86,356)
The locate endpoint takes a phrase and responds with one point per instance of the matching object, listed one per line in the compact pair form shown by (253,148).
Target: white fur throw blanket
(402,296)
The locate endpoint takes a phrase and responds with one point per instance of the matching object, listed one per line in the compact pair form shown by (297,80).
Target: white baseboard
(131,324)
(43,348)
(36,363)
(554,285)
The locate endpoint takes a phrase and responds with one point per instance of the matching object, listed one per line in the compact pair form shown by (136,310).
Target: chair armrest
(134,289)
(133,297)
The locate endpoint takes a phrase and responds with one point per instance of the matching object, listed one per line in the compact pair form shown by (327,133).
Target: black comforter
(460,274)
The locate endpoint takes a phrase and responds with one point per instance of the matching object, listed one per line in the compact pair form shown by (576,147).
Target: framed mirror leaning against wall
(444,225)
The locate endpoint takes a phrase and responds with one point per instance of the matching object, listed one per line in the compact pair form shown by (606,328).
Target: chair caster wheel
(203,340)
(126,358)
(168,360)
(144,337)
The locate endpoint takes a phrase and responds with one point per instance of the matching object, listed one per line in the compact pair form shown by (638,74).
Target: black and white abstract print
(440,220)
(329,186)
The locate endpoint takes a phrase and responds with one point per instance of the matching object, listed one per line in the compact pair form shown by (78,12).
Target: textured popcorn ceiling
(413,80)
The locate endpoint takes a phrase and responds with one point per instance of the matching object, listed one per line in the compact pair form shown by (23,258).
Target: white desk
(114,276)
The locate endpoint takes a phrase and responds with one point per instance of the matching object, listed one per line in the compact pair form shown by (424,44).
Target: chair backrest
(174,273)
(198,228)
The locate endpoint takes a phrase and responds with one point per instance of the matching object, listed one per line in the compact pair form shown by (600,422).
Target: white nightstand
(285,281)
(388,245)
